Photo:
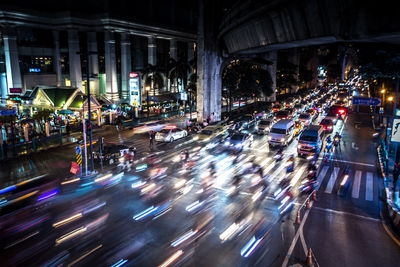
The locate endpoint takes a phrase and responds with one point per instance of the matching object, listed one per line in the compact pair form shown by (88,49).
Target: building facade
(66,51)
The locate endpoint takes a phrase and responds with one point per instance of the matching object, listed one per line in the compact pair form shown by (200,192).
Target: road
(125,221)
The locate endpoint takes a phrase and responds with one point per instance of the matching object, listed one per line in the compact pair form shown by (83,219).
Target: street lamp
(383,97)
(390,98)
(148,105)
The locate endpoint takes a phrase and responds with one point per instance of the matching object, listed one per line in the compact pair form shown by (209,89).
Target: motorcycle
(336,141)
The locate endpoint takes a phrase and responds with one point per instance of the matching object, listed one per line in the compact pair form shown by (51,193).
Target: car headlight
(256,127)
(329,127)
(282,139)
(269,138)
(298,146)
(239,145)
(196,138)
(226,143)
(207,139)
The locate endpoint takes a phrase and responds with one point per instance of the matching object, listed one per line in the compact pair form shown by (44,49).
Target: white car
(169,134)
(305,118)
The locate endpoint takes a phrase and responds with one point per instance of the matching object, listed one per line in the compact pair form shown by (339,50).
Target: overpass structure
(259,27)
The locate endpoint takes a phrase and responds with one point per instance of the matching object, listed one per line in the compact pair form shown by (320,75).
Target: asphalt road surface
(159,213)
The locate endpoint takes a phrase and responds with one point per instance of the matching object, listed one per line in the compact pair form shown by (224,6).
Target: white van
(281,133)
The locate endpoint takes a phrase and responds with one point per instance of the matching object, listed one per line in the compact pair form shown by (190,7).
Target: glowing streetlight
(382,91)
(390,98)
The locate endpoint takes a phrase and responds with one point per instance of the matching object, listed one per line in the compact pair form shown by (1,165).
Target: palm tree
(153,79)
(179,72)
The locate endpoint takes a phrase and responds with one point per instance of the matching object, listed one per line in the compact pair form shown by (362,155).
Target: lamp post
(148,105)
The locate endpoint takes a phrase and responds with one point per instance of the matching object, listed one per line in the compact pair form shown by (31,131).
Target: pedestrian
(208,119)
(152,136)
(212,117)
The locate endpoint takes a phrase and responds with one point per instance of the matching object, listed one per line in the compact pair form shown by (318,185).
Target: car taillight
(341,111)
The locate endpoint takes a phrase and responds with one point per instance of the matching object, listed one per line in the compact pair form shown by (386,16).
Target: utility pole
(86,54)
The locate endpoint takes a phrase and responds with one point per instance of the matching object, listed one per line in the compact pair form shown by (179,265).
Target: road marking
(369,193)
(352,162)
(277,172)
(264,162)
(321,175)
(348,213)
(332,180)
(297,176)
(294,241)
(355,192)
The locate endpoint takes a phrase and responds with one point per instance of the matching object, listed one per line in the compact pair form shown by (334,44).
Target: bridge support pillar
(209,61)
(273,57)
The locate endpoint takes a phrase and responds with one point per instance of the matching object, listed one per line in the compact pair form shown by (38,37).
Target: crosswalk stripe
(369,193)
(332,180)
(356,185)
(322,174)
(265,162)
(297,176)
(277,172)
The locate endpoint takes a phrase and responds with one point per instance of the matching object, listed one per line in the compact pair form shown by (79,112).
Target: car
(239,141)
(331,116)
(328,124)
(170,133)
(312,112)
(247,121)
(282,114)
(299,108)
(263,126)
(276,107)
(305,118)
(209,132)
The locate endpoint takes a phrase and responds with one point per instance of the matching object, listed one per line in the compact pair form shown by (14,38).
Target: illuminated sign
(134,89)
(133,74)
(34,70)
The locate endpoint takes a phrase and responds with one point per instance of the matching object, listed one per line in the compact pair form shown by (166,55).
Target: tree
(246,79)
(179,72)
(154,78)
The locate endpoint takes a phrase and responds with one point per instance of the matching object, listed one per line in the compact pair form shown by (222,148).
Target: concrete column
(75,70)
(56,56)
(125,65)
(12,64)
(173,49)
(294,58)
(111,67)
(273,57)
(208,71)
(93,63)
(152,50)
(93,58)
(191,46)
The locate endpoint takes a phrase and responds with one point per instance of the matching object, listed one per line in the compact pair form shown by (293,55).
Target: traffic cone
(314,195)
(309,258)
(298,217)
(308,204)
